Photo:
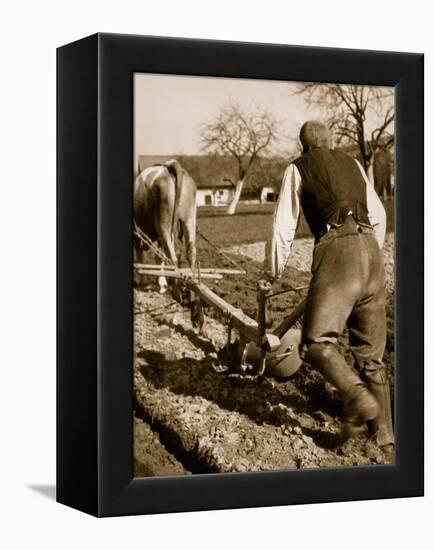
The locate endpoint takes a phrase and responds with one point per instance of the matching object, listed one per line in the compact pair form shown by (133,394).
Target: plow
(258,350)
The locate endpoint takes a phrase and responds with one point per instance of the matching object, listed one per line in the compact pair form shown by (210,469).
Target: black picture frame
(95,259)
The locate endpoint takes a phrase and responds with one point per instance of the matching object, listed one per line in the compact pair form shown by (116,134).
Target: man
(347,288)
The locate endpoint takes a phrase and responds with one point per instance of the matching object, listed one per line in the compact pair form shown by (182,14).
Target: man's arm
(285,221)
(376,211)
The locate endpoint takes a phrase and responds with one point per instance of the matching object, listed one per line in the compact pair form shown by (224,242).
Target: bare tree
(242,135)
(266,172)
(347,109)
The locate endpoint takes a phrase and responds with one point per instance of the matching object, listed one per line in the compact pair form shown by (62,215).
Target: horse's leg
(164,223)
(162,281)
(166,243)
(138,258)
(189,234)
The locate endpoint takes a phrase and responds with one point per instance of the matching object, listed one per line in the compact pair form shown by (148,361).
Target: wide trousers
(348,290)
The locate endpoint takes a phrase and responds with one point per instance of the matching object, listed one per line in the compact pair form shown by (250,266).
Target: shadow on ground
(48,491)
(263,400)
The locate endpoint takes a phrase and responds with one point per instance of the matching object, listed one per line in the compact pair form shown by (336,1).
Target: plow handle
(289,321)
(262,288)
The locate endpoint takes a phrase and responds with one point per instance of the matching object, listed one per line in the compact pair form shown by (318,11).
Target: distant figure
(383,173)
(347,288)
(165,204)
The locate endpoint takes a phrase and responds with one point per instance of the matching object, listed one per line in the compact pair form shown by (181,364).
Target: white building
(268,194)
(218,194)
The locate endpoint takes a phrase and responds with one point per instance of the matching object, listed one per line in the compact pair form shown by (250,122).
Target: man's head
(314,134)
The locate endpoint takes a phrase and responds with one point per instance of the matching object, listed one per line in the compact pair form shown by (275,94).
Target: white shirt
(287,213)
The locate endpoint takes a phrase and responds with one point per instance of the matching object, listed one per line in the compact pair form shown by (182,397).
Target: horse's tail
(177,172)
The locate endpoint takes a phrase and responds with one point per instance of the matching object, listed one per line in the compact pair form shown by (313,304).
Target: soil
(195,414)
(151,457)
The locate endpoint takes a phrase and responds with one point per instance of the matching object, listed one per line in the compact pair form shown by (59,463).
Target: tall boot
(359,404)
(375,376)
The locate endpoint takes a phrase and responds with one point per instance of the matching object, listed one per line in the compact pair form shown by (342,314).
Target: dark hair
(314,134)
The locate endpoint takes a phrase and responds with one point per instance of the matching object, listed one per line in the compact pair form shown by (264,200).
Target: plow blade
(284,361)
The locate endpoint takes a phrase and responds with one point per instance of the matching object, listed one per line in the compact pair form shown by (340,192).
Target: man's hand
(263,284)
(268,277)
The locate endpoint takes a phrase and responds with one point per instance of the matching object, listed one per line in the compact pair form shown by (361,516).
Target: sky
(170,110)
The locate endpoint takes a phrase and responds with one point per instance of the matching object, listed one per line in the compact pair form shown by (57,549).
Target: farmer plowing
(345,295)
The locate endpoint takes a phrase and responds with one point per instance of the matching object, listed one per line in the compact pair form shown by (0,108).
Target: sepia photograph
(264,286)
(219,330)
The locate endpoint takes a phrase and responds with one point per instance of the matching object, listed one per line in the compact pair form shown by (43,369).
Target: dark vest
(332,186)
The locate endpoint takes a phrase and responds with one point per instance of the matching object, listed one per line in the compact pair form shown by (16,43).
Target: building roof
(144,161)
(150,160)
(222,184)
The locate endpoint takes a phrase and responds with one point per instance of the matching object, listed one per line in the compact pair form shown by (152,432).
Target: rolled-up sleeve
(376,212)
(284,224)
